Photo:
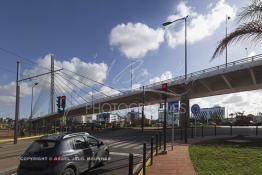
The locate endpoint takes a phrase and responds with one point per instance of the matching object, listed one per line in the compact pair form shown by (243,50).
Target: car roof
(59,137)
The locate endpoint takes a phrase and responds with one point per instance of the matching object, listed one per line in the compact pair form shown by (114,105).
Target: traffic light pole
(164,127)
(185,114)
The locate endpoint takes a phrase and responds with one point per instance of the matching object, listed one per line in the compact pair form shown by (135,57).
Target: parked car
(63,154)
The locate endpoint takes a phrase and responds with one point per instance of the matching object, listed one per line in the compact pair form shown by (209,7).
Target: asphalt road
(121,142)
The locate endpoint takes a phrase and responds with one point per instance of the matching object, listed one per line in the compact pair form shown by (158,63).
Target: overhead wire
(61,82)
(86,85)
(76,100)
(34,63)
(62,89)
(74,85)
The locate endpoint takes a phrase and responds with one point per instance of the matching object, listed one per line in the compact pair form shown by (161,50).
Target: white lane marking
(130,145)
(124,154)
(116,143)
(138,147)
(117,146)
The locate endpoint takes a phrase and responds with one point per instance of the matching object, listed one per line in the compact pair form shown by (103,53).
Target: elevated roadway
(237,76)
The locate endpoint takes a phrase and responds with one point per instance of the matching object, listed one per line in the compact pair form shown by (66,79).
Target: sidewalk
(176,162)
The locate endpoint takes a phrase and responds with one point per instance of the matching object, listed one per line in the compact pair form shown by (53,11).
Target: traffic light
(63,102)
(58,102)
(164,86)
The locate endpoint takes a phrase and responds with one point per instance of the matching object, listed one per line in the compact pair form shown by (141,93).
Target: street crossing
(136,145)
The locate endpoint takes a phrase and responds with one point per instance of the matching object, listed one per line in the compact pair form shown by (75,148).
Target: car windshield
(41,146)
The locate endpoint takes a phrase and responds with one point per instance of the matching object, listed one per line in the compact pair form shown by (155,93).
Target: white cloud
(69,80)
(104,91)
(235,98)
(202,102)
(10,89)
(136,40)
(252,53)
(7,100)
(165,76)
(136,85)
(108,91)
(250,102)
(200,26)
(95,71)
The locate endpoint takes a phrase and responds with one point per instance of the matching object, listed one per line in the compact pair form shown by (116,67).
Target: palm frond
(251,30)
(252,12)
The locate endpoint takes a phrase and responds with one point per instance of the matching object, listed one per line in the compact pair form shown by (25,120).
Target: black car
(64,154)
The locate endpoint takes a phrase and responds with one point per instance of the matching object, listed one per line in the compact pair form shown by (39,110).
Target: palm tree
(250,29)
(231,115)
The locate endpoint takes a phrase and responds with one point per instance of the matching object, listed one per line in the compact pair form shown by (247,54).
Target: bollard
(130,167)
(231,130)
(160,140)
(215,130)
(257,130)
(152,150)
(181,134)
(192,132)
(144,159)
(156,144)
(202,129)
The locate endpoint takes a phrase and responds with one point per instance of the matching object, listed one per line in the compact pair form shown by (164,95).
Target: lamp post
(227,18)
(185,19)
(185,97)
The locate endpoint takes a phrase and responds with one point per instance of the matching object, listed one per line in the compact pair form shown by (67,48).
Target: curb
(22,138)
(147,164)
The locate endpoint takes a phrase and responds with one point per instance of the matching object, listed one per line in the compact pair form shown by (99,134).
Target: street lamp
(32,98)
(227,18)
(185,19)
(246,52)
(185,96)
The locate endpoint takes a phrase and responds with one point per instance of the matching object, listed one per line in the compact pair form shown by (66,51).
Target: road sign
(195,109)
(173,106)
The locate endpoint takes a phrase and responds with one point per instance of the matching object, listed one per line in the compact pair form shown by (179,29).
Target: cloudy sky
(101,39)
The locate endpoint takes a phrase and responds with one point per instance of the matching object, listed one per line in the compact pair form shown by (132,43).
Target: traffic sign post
(173,107)
(195,109)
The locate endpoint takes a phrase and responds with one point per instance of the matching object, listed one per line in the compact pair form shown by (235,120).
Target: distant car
(63,154)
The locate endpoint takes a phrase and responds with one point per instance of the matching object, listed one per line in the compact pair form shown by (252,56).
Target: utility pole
(143,107)
(17,102)
(52,85)
(164,127)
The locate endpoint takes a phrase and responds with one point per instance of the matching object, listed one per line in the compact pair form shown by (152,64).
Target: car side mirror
(100,143)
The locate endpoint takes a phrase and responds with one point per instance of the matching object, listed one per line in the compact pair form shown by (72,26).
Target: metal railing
(179,78)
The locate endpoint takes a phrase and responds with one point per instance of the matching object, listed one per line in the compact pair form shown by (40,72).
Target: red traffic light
(62,97)
(164,86)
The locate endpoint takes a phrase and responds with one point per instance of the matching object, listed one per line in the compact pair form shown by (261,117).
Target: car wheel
(103,162)
(68,171)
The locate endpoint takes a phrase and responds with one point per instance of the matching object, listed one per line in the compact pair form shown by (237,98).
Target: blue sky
(112,33)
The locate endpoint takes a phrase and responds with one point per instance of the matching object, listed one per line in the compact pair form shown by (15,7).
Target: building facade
(206,114)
